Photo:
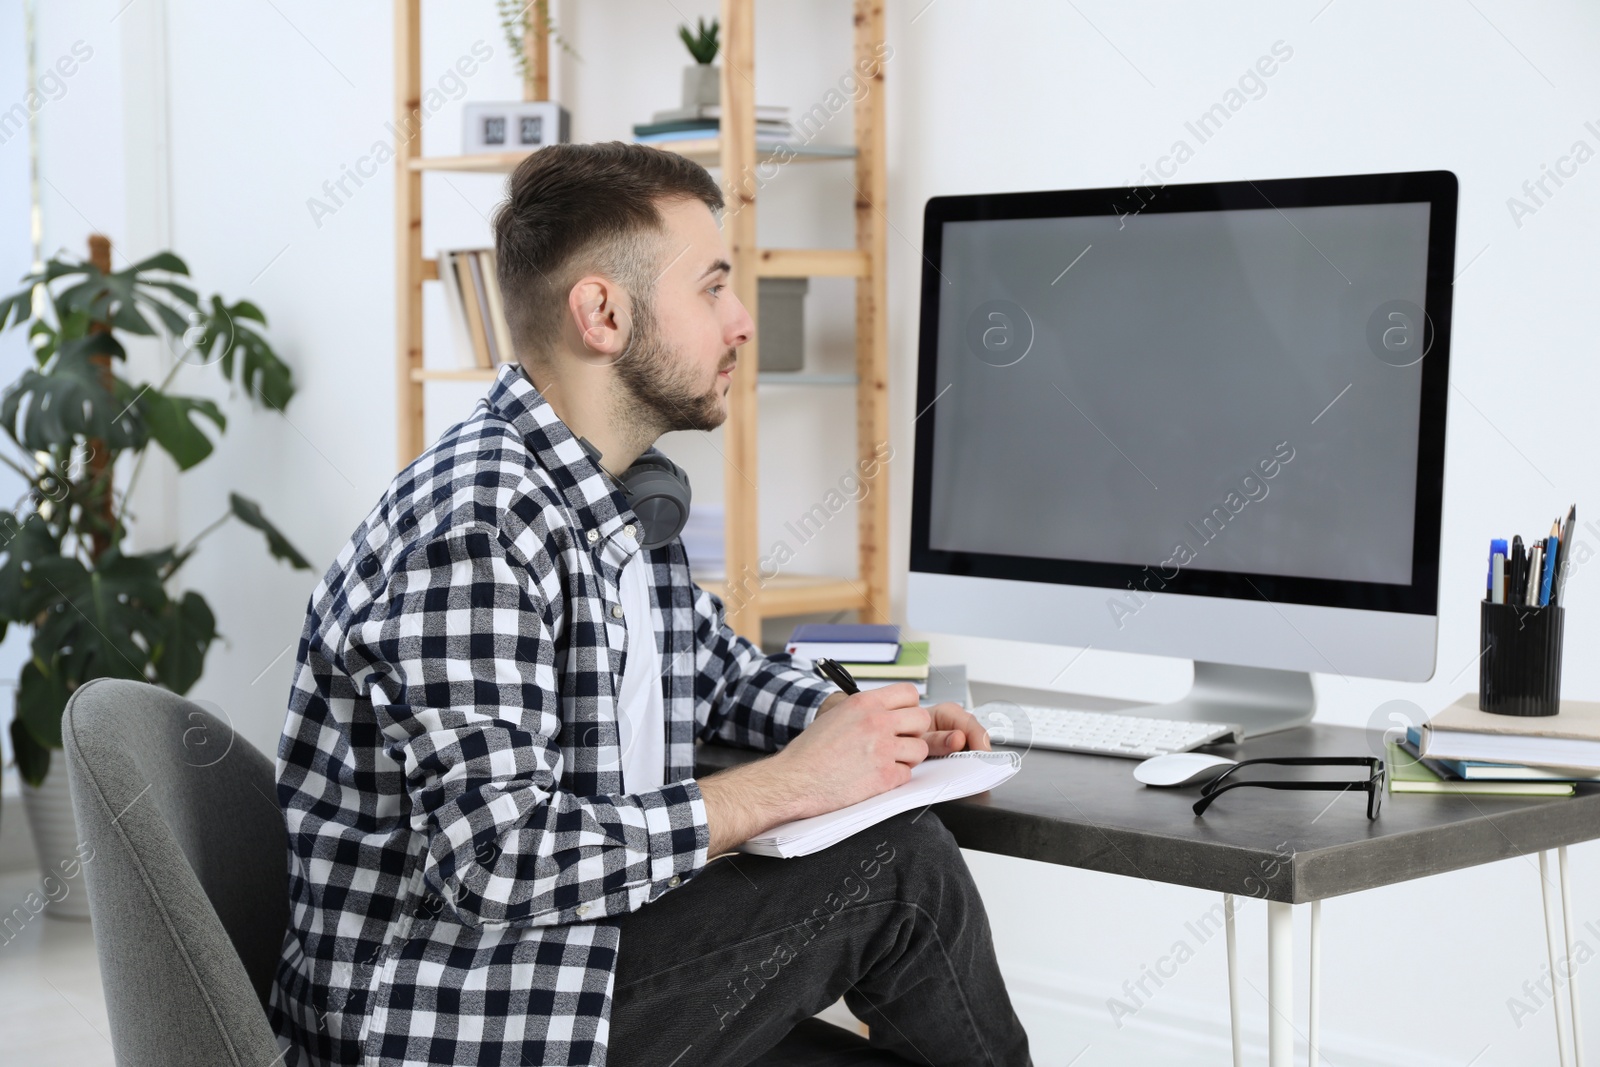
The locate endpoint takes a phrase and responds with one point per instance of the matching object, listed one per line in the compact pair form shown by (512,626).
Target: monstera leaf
(263,374)
(189,630)
(172,425)
(249,513)
(69,401)
(24,540)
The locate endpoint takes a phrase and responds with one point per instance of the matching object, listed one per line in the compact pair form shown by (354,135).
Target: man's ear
(599,309)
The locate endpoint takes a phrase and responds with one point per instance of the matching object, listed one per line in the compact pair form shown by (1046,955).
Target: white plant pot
(702,85)
(55,840)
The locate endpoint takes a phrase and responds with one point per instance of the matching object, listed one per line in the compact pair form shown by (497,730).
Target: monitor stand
(1260,700)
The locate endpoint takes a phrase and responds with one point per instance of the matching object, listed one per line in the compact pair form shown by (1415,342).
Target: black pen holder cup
(1519,671)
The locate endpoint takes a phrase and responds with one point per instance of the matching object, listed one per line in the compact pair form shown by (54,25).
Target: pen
(1548,570)
(1517,566)
(835,673)
(1565,553)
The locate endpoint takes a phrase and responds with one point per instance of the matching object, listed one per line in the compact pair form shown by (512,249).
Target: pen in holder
(1519,672)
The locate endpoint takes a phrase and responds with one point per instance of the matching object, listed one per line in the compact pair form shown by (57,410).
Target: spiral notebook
(936,779)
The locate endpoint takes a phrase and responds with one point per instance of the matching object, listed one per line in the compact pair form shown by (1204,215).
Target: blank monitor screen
(1234,390)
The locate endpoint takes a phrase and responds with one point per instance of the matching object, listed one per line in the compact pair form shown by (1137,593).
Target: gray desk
(1286,847)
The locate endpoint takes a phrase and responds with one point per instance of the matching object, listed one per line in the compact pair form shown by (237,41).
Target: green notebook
(1407,774)
(911,665)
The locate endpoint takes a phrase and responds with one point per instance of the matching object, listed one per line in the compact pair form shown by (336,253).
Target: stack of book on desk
(872,653)
(1465,750)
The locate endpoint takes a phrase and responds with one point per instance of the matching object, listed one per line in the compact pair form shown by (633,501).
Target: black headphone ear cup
(658,491)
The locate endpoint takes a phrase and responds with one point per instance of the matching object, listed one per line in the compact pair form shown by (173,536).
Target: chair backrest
(188,878)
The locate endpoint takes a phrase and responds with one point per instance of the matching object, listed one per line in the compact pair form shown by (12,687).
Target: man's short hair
(576,209)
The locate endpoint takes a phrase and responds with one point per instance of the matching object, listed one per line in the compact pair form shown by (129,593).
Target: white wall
(266,102)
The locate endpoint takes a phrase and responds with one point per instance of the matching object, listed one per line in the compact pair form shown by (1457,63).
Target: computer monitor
(1201,420)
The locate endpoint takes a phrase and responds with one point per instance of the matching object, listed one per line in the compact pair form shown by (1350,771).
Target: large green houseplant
(95,608)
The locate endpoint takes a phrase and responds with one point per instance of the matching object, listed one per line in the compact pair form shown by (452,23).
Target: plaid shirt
(449,769)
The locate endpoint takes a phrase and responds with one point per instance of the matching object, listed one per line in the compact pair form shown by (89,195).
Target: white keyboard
(1097,732)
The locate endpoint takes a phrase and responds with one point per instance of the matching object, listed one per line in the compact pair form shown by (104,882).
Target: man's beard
(662,383)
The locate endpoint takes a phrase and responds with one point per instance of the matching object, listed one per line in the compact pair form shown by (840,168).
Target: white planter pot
(55,840)
(702,85)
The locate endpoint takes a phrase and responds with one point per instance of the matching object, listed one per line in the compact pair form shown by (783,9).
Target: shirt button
(629,530)
(594,535)
(582,909)
(674,881)
(616,611)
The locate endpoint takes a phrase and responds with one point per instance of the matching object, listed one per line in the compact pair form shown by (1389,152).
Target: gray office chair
(188,886)
(188,881)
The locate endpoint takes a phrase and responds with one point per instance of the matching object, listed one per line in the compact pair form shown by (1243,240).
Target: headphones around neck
(657,490)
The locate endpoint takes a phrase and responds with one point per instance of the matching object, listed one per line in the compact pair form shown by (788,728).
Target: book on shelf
(480,288)
(1484,771)
(469,307)
(455,309)
(936,779)
(476,308)
(770,112)
(845,641)
(764,143)
(1408,774)
(709,128)
(911,665)
(1461,731)
(497,306)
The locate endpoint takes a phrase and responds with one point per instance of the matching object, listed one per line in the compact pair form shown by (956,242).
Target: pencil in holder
(1519,671)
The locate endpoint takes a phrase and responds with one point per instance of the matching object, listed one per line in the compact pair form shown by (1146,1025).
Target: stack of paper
(937,779)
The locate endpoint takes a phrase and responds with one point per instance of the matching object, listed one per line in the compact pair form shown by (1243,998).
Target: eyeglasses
(1375,785)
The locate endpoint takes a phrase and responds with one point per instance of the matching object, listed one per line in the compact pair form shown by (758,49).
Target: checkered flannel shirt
(449,770)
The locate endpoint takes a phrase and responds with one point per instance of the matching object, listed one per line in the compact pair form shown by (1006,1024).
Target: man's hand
(954,728)
(856,747)
(865,745)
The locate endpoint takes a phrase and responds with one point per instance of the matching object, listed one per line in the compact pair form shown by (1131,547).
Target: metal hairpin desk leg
(1567,971)
(1316,970)
(1280,984)
(1550,948)
(1572,973)
(1233,979)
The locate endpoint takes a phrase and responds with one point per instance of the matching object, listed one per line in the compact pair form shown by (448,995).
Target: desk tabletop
(1294,847)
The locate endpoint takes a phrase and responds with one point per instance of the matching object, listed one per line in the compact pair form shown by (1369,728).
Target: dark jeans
(727,969)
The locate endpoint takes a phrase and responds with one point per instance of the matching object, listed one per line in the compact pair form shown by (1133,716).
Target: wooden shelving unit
(752,590)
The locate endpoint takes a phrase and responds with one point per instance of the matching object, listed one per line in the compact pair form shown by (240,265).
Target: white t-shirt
(641,714)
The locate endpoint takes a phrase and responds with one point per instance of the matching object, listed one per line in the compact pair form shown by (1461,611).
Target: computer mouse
(1181,768)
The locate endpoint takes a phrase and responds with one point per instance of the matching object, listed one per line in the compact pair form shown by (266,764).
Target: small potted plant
(702,82)
(96,608)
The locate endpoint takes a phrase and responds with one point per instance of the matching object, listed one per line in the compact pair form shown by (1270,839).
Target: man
(499,853)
